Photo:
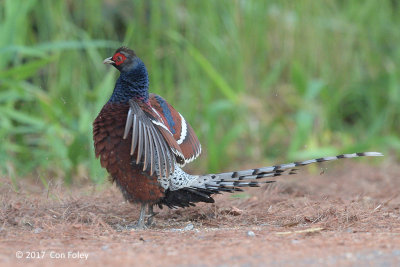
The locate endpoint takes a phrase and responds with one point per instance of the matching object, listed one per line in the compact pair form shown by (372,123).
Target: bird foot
(145,220)
(140,226)
(134,227)
(150,218)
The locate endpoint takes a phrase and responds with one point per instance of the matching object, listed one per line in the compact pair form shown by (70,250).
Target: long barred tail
(232,181)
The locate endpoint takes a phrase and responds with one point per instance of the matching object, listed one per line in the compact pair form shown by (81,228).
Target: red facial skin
(118,58)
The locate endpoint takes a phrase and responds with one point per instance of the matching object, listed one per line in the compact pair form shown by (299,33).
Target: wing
(154,144)
(179,128)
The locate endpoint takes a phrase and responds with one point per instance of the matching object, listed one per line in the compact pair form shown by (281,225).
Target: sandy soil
(347,216)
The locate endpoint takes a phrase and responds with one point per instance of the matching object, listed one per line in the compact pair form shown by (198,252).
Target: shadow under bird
(143,142)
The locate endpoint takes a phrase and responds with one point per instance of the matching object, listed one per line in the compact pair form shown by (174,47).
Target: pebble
(188,227)
(37,230)
(349,255)
(251,233)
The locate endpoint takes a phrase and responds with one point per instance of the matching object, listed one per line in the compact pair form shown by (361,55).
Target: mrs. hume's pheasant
(143,142)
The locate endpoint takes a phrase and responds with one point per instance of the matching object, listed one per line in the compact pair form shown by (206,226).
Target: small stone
(188,227)
(251,234)
(37,230)
(295,241)
(105,247)
(349,255)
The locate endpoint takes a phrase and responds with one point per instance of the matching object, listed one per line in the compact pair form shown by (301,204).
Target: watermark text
(79,255)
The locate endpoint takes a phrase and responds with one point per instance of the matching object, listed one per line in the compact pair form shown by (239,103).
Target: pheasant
(143,142)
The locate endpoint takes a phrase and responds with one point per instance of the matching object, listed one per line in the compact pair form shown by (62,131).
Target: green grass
(260,81)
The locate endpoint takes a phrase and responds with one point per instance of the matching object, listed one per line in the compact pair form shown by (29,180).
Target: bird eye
(119,58)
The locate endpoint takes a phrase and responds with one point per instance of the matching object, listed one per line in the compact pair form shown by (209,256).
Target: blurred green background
(261,82)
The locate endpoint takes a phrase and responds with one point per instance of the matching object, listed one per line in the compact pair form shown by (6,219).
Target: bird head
(124,59)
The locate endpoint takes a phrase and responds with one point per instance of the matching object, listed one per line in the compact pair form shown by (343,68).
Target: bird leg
(150,215)
(141,224)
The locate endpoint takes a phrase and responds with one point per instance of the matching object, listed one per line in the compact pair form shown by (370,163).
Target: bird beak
(108,61)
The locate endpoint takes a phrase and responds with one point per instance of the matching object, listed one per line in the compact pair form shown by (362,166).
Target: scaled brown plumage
(114,152)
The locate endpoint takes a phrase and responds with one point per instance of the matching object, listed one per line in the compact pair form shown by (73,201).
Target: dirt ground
(347,215)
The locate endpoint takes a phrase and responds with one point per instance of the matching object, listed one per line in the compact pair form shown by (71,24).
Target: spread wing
(152,141)
(179,128)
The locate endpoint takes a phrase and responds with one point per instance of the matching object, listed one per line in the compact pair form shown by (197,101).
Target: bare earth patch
(345,216)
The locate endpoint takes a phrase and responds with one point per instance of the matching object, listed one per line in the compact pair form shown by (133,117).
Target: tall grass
(260,81)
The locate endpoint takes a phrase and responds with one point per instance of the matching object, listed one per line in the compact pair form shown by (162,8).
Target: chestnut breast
(114,152)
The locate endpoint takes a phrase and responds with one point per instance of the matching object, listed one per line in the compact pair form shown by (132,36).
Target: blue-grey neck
(132,84)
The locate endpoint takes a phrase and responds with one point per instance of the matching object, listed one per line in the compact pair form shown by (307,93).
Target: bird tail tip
(373,154)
